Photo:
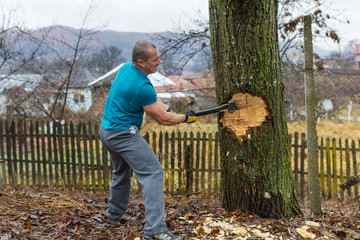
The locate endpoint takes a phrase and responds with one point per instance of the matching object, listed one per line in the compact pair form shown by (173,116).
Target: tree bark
(256,163)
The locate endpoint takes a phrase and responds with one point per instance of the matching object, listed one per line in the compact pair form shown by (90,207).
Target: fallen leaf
(187,216)
(313,230)
(215,231)
(341,234)
(304,233)
(28,225)
(332,221)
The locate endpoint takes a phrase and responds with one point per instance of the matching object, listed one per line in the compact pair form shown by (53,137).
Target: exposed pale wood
(252,112)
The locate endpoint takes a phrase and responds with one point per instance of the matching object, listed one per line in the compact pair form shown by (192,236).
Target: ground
(49,214)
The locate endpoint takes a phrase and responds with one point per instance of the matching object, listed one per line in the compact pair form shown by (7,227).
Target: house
(356,52)
(79,94)
(15,91)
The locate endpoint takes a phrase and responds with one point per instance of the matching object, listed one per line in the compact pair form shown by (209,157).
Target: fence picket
(302,166)
(56,161)
(203,163)
(210,161)
(322,171)
(334,164)
(296,162)
(166,162)
(216,162)
(89,161)
(20,151)
(172,161)
(197,162)
(328,170)
(14,153)
(68,162)
(78,153)
(50,152)
(347,161)
(2,158)
(353,151)
(342,195)
(73,155)
(88,149)
(43,153)
(26,155)
(180,162)
(61,154)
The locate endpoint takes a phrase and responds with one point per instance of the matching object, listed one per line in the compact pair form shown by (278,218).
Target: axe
(230,106)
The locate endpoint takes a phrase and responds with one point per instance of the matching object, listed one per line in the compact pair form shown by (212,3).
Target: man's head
(145,56)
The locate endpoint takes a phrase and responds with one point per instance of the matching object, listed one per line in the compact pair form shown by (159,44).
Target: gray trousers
(130,152)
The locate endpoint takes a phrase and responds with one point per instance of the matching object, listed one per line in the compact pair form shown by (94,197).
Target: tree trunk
(254,143)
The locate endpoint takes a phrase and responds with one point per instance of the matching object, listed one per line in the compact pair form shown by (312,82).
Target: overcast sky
(145,15)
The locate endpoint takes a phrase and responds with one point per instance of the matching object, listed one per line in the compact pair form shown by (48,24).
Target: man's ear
(140,62)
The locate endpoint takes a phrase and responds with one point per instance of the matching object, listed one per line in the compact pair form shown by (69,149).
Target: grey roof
(157,79)
(27,81)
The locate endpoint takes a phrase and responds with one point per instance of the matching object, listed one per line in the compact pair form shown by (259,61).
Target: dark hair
(141,50)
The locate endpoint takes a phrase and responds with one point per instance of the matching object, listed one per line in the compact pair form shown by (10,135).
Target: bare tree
(73,45)
(18,46)
(186,41)
(106,59)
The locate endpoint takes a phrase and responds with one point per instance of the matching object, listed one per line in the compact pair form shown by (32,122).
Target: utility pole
(312,141)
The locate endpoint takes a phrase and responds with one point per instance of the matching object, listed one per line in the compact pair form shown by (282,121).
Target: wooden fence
(34,153)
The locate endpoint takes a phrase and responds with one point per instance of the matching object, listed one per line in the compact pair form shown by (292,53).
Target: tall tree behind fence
(71,156)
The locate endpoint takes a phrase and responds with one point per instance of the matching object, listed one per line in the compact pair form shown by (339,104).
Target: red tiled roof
(357,49)
(181,84)
(204,82)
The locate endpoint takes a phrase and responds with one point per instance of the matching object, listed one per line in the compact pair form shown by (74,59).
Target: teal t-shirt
(129,93)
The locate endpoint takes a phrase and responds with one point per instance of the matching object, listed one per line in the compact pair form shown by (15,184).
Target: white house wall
(79,105)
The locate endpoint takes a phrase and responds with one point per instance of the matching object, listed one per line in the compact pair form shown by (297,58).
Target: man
(130,95)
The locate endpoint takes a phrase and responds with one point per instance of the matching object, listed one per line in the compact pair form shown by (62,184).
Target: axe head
(232,106)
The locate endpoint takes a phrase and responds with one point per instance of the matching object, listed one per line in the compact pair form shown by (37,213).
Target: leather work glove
(190,116)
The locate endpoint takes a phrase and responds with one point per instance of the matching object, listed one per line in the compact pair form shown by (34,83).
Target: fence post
(310,101)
